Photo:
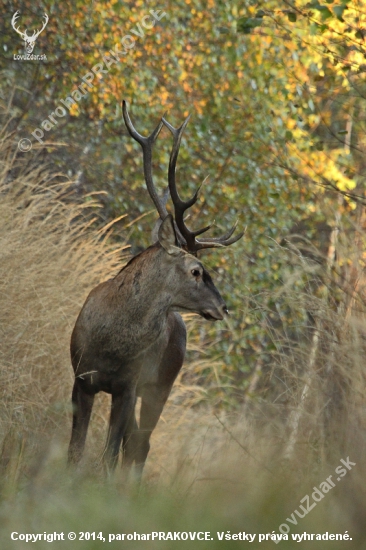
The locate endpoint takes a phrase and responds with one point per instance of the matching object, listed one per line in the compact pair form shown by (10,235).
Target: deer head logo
(29,41)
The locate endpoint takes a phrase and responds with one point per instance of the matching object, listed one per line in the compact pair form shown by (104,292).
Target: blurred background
(269,401)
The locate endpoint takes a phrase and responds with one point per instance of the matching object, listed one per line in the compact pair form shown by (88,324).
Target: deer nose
(225,310)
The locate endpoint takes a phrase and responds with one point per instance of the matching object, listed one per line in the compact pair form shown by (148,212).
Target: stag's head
(197,293)
(29,41)
(186,279)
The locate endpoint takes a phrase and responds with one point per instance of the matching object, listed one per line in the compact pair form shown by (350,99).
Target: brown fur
(130,341)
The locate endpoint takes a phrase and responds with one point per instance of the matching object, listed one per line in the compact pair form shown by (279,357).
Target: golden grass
(50,258)
(208,470)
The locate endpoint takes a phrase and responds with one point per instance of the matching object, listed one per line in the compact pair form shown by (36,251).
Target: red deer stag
(129,340)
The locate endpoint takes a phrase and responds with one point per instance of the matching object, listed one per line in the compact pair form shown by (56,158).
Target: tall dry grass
(244,469)
(51,254)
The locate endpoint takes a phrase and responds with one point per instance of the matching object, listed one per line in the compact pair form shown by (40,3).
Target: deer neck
(142,290)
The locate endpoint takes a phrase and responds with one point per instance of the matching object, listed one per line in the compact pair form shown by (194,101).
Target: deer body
(129,339)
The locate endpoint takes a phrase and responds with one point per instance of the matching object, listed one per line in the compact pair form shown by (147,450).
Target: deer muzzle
(215,314)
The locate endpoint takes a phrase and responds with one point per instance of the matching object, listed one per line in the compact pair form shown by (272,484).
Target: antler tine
(147,145)
(203,230)
(223,238)
(220,241)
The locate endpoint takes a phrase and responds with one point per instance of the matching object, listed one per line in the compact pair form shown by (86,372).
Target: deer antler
(24,35)
(13,22)
(44,25)
(191,243)
(187,238)
(147,146)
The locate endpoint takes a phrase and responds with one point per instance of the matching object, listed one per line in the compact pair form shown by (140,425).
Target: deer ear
(167,237)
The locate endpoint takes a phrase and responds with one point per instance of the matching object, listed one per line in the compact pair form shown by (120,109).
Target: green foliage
(278,125)
(246,24)
(270,105)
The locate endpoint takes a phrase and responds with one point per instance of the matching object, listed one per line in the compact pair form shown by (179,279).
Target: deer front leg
(129,444)
(82,404)
(152,404)
(122,411)
(154,396)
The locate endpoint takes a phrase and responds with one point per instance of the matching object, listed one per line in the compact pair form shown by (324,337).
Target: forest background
(276,91)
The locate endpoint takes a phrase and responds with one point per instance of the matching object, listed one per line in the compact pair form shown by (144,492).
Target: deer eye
(196,272)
